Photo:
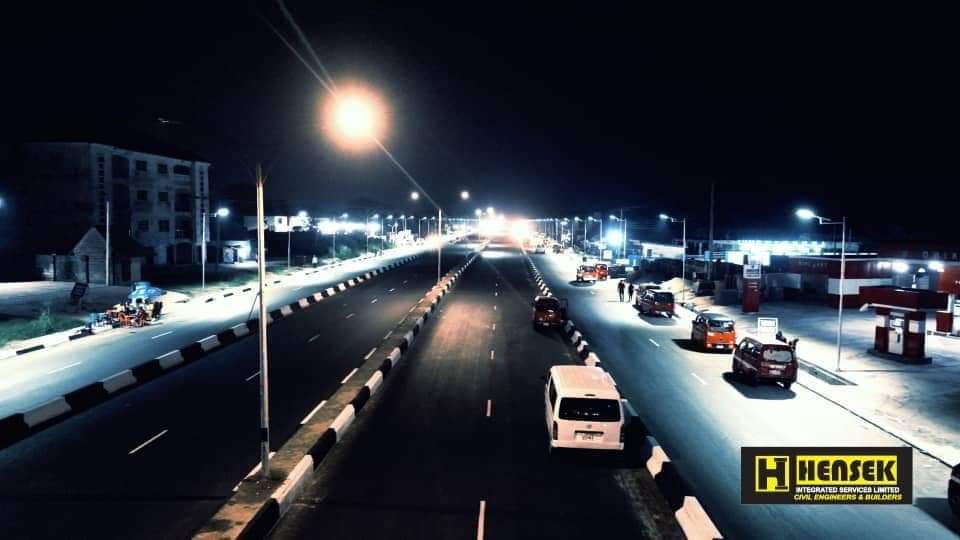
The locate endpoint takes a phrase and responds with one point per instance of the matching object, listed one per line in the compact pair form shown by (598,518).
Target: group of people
(622,288)
(137,313)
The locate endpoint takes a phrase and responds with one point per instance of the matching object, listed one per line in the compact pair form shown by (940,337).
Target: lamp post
(805,213)
(683,254)
(222,213)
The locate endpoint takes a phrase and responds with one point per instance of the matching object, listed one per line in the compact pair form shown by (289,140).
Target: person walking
(315,261)
(620,288)
(630,292)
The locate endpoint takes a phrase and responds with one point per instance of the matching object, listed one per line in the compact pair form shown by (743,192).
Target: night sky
(537,111)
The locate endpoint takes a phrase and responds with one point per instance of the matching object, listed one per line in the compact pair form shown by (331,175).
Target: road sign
(768,325)
(751,271)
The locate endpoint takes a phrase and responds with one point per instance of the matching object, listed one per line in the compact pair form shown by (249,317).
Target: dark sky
(535,110)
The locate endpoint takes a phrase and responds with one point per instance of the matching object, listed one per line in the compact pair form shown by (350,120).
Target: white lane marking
(494,307)
(167,333)
(314,338)
(697,377)
(491,354)
(369,354)
(654,342)
(404,281)
(483,511)
(495,293)
(347,378)
(252,376)
(148,441)
(388,334)
(313,412)
(391,290)
(493,326)
(68,366)
(414,307)
(374,301)
(489,406)
(351,315)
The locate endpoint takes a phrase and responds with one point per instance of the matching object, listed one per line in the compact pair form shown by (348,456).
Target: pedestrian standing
(630,292)
(620,288)
(315,261)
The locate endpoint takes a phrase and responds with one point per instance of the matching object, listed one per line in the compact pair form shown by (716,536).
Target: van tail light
(623,434)
(556,431)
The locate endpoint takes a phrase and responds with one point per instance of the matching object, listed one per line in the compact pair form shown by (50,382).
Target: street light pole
(203,251)
(264,388)
(106,260)
(683,255)
(805,213)
(289,235)
(440,240)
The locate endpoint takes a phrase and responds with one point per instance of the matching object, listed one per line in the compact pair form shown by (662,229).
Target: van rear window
(721,324)
(587,409)
(663,297)
(782,355)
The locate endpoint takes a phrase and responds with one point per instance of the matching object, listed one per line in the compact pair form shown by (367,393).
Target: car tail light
(556,431)
(623,434)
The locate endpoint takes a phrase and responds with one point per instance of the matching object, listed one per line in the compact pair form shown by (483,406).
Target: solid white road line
(697,377)
(483,511)
(314,338)
(351,315)
(313,412)
(167,333)
(489,405)
(68,366)
(374,301)
(347,378)
(369,354)
(654,342)
(252,376)
(148,441)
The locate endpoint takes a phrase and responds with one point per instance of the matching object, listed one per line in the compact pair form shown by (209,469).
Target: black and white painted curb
(257,523)
(689,513)
(20,425)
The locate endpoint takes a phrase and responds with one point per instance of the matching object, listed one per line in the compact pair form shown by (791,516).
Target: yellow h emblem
(772,473)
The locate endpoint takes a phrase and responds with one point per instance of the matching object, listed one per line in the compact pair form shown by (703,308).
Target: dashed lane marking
(654,342)
(252,376)
(369,354)
(313,412)
(167,333)
(347,378)
(697,377)
(314,338)
(351,315)
(68,366)
(148,441)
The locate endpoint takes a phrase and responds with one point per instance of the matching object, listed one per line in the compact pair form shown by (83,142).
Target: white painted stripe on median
(331,291)
(343,420)
(170,359)
(167,333)
(118,380)
(66,367)
(209,342)
(347,378)
(45,411)
(313,412)
(240,330)
(374,381)
(286,310)
(303,303)
(148,441)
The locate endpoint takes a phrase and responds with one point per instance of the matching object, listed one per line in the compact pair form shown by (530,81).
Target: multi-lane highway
(702,416)
(35,378)
(158,461)
(456,444)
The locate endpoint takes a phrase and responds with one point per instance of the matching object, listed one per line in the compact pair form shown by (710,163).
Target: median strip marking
(68,366)
(347,378)
(654,342)
(697,377)
(369,354)
(252,376)
(313,412)
(148,441)
(483,511)
(167,333)
(351,315)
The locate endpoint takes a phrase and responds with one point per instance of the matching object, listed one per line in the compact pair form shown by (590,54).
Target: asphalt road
(702,416)
(37,377)
(157,462)
(457,441)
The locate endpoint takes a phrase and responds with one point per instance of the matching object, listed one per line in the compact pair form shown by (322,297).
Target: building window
(163,225)
(163,168)
(121,167)
(143,226)
(163,196)
(182,203)
(141,165)
(181,169)
(142,195)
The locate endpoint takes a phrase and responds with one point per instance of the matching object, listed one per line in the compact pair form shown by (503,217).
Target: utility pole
(106,259)
(203,250)
(439,241)
(710,240)
(264,389)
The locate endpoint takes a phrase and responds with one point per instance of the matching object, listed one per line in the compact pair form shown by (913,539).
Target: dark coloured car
(656,302)
(765,360)
(549,312)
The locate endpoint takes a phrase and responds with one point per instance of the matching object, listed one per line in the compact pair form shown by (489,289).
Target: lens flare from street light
(355,118)
(614,237)
(805,213)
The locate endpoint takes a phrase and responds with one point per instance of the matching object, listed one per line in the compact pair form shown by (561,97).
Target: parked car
(549,311)
(603,272)
(765,360)
(953,490)
(557,248)
(656,302)
(586,272)
(713,331)
(583,409)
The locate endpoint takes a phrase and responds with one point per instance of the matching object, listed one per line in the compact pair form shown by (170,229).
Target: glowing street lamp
(464,195)
(355,118)
(807,214)
(414,196)
(490,210)
(478,212)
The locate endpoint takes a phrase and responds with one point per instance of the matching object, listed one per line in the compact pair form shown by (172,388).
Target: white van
(583,409)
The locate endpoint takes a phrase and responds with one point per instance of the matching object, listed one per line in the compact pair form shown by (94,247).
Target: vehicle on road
(656,302)
(603,271)
(713,331)
(540,249)
(618,270)
(549,312)
(953,490)
(760,359)
(583,409)
(557,248)
(586,272)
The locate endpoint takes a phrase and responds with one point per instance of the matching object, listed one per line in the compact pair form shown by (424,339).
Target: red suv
(765,360)
(657,302)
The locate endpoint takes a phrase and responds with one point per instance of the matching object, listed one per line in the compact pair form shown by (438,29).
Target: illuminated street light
(806,214)
(302,214)
(355,118)
(464,195)
(223,212)
(490,210)
(414,195)
(478,212)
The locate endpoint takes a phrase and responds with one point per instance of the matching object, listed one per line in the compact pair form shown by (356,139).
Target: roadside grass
(18,329)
